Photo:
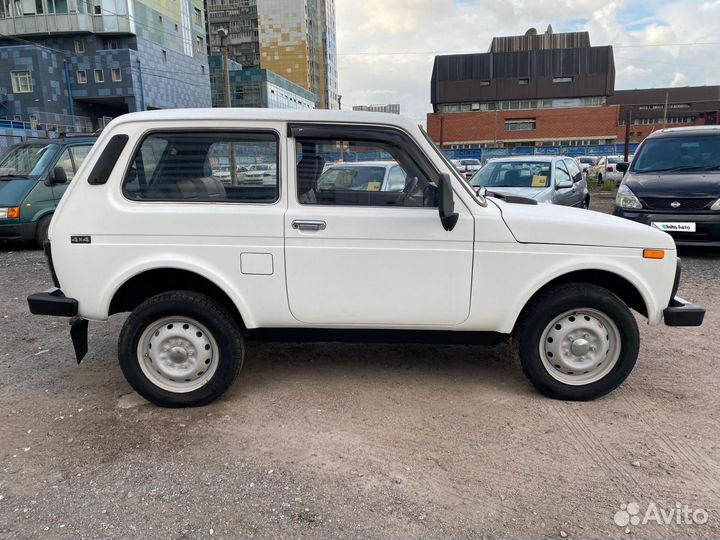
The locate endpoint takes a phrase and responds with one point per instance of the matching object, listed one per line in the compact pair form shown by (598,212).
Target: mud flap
(79,336)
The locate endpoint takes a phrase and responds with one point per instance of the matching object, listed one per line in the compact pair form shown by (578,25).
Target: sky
(386,47)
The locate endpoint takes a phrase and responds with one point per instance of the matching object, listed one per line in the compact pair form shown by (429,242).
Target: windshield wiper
(674,169)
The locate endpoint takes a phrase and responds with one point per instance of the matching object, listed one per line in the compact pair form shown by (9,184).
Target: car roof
(540,158)
(278,115)
(685,131)
(378,163)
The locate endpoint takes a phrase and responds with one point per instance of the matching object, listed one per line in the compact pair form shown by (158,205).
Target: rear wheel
(180,349)
(586,203)
(599,179)
(41,230)
(577,342)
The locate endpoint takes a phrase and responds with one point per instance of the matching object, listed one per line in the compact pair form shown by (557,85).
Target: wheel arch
(152,281)
(620,286)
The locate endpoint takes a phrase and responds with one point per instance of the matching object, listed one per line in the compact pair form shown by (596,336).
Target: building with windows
(295,39)
(74,64)
(256,87)
(550,89)
(392,108)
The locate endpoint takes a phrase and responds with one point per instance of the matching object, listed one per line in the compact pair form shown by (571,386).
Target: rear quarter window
(205,167)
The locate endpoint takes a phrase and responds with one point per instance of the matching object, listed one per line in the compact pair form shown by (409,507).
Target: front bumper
(17,231)
(52,302)
(682,313)
(707,233)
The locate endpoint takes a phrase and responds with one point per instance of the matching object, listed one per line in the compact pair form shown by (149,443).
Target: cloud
(390,29)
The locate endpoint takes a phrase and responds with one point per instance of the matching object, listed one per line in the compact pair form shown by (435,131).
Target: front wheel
(180,349)
(41,230)
(577,342)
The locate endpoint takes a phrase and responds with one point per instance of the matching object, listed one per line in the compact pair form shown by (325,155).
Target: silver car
(547,179)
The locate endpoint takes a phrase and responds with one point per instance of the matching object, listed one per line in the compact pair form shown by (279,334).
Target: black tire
(599,179)
(557,301)
(205,310)
(41,230)
(586,203)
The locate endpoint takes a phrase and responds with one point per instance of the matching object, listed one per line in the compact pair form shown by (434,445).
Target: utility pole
(665,111)
(71,101)
(628,118)
(142,89)
(223,33)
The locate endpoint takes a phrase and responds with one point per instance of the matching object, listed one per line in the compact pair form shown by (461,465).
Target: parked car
(363,176)
(202,267)
(586,162)
(33,177)
(605,171)
(673,184)
(258,174)
(546,179)
(468,167)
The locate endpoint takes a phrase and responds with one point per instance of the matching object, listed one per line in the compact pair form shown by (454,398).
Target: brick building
(550,90)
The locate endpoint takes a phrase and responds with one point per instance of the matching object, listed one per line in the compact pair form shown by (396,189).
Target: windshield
(362,178)
(26,160)
(669,154)
(528,174)
(614,159)
(587,160)
(470,162)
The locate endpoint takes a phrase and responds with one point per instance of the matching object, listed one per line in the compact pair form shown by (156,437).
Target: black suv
(673,183)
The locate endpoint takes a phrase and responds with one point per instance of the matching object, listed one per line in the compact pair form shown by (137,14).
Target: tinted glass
(356,173)
(207,167)
(534,174)
(700,153)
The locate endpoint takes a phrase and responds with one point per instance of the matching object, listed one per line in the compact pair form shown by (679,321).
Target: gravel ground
(327,440)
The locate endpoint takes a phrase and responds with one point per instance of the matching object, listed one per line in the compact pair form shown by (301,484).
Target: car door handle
(309,225)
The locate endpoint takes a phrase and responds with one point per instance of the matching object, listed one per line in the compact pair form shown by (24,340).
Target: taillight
(609,169)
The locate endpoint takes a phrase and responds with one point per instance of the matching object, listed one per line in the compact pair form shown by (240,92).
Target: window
(484,83)
(22,82)
(355,172)
(205,167)
(523,81)
(561,173)
(81,76)
(79,46)
(79,153)
(574,170)
(197,16)
(562,79)
(527,174)
(97,8)
(164,56)
(65,162)
(99,76)
(111,44)
(116,74)
(520,125)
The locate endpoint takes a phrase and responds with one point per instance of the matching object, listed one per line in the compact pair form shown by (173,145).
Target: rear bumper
(17,231)
(707,225)
(683,313)
(52,302)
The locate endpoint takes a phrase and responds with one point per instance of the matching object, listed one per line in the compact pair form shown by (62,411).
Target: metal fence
(585,150)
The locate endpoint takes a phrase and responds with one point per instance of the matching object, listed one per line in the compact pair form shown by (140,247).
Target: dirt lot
(345,441)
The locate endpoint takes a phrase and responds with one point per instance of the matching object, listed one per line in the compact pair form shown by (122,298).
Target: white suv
(149,227)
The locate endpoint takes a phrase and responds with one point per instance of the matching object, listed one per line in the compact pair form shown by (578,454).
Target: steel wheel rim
(580,346)
(178,354)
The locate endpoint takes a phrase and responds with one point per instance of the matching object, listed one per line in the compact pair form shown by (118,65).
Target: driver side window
(359,173)
(561,174)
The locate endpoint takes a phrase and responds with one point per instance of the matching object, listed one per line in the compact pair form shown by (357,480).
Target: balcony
(61,23)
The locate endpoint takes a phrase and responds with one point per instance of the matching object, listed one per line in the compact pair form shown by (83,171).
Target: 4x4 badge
(675,204)
(80,239)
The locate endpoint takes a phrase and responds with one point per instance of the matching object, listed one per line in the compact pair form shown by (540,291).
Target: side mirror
(622,166)
(446,204)
(564,184)
(57,176)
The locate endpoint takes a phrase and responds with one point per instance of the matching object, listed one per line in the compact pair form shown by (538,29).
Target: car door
(563,195)
(578,195)
(371,258)
(70,160)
